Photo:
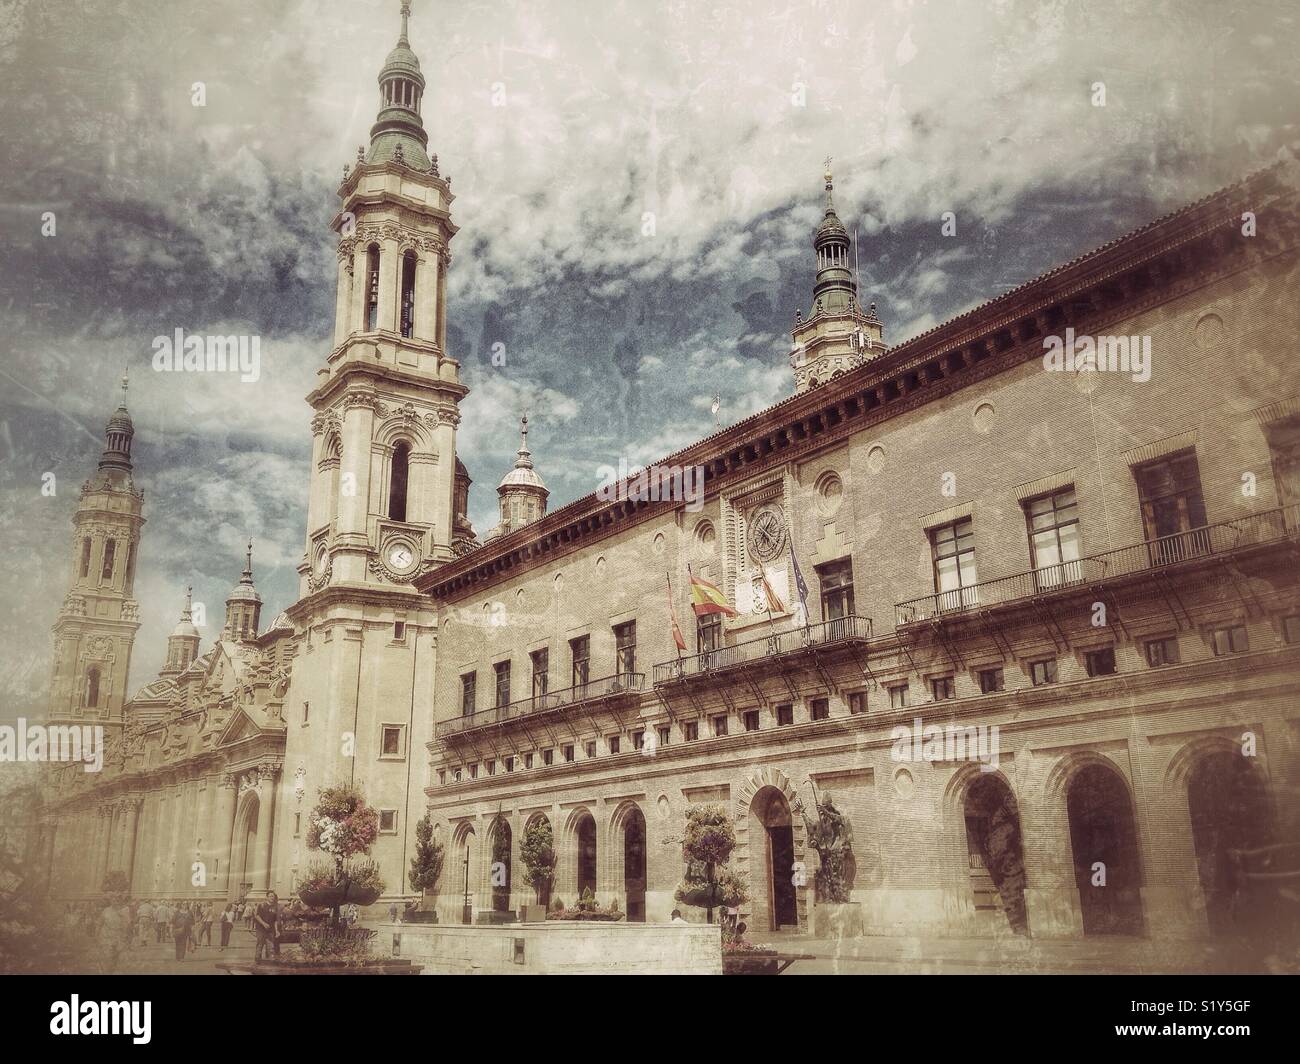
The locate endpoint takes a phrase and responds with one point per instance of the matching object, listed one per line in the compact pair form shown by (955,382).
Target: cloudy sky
(563,125)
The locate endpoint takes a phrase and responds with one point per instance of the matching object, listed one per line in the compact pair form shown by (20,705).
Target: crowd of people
(118,926)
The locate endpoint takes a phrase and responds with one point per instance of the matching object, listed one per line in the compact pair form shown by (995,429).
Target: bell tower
(837,335)
(96,626)
(386,401)
(387,492)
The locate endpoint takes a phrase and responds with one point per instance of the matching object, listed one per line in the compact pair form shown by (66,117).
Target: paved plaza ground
(877,955)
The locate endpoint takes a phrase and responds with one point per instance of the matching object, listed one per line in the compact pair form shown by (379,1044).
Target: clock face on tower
(400,558)
(766,533)
(322,560)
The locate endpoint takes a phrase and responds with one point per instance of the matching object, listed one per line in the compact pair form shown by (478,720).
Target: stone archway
(770,851)
(995,858)
(584,833)
(463,842)
(1103,841)
(501,866)
(1228,805)
(243,860)
(628,843)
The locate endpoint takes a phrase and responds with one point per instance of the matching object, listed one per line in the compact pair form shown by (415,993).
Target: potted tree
(426,869)
(537,851)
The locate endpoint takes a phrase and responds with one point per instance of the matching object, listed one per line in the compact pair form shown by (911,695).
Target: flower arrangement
(342,825)
(586,909)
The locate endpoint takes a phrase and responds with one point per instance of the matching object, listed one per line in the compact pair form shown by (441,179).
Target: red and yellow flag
(708,598)
(774,603)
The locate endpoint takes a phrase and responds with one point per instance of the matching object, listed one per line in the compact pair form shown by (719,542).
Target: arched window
(408,294)
(334,455)
(110,552)
(92,688)
(372,288)
(130,569)
(397,481)
(85,557)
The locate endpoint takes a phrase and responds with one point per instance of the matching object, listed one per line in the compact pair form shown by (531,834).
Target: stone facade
(1100,567)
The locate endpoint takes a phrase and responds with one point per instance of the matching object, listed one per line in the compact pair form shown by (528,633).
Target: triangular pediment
(238,729)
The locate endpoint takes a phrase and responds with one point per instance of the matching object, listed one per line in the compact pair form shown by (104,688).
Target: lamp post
(467,914)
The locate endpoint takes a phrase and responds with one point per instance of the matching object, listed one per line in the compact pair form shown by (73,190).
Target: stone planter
(838,920)
(749,964)
(533,914)
(290,967)
(420,916)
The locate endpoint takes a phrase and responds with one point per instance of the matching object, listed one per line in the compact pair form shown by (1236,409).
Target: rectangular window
(1042,672)
(442,777)
(1291,628)
(473,772)
(692,731)
(468,692)
(548,757)
(898,696)
(1229,640)
(580,653)
(720,724)
(820,709)
(491,767)
(665,733)
(510,764)
(1161,651)
(502,670)
(1100,662)
(568,751)
(751,720)
(943,688)
(857,702)
(615,744)
(399,631)
(1054,538)
(1173,509)
(541,667)
(991,681)
(953,549)
(625,647)
(306,714)
(110,550)
(528,761)
(708,635)
(391,743)
(589,749)
(836,580)
(638,739)
(388,821)
(784,715)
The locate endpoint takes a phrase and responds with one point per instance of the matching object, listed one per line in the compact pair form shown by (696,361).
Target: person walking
(227,923)
(182,924)
(144,922)
(266,919)
(162,919)
(206,920)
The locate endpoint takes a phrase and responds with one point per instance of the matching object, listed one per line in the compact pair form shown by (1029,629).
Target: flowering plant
(342,825)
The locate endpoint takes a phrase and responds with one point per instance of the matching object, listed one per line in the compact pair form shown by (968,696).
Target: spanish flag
(707,598)
(672,612)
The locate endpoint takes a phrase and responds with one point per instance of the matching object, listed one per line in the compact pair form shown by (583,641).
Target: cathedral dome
(185,630)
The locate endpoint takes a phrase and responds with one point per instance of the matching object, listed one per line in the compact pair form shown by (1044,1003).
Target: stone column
(426,296)
(343,295)
(221,829)
(175,859)
(103,864)
(130,825)
(267,775)
(443,260)
(357,311)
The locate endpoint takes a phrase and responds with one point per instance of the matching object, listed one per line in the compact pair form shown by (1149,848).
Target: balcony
(1152,555)
(842,630)
(586,694)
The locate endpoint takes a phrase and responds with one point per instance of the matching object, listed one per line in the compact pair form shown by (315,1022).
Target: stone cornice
(1151,266)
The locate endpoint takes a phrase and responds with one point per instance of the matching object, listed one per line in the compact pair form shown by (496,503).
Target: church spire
(835,289)
(398,134)
(244,606)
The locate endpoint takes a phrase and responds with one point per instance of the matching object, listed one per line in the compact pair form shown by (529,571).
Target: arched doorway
(1104,841)
(634,870)
(995,855)
(585,833)
(1229,811)
(458,876)
(243,864)
(500,873)
(772,811)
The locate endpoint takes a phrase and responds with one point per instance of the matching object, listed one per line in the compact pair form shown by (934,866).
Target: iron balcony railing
(1152,554)
(593,690)
(788,641)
